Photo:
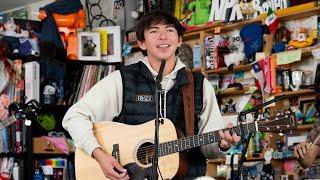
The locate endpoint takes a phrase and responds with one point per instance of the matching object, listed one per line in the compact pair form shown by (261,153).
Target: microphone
(160,74)
(157,124)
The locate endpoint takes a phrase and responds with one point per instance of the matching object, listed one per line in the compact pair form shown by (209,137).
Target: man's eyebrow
(156,27)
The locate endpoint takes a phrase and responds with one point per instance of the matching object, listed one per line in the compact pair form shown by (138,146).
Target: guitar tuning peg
(280,133)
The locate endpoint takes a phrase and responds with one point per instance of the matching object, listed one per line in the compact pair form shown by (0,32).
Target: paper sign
(288,57)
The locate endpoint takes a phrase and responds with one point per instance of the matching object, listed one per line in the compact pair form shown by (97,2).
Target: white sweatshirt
(103,102)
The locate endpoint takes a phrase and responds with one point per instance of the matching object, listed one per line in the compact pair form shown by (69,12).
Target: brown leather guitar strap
(188,104)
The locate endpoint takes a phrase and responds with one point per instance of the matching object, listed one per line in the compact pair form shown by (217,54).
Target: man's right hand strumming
(109,165)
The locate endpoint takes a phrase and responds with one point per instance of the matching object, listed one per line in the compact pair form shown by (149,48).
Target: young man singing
(114,98)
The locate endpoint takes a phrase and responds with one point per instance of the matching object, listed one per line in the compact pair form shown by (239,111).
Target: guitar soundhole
(145,153)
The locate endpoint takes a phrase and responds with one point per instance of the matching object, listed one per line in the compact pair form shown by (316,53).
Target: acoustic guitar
(132,145)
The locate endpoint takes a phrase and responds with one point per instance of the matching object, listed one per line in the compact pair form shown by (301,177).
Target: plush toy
(201,13)
(236,48)
(11,37)
(138,11)
(302,40)
(247,9)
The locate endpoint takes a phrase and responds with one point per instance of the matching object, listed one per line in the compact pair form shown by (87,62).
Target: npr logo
(144,98)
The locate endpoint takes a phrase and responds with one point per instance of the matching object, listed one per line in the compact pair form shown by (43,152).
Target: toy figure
(301,40)
(138,11)
(247,9)
(236,48)
(67,21)
(201,13)
(11,37)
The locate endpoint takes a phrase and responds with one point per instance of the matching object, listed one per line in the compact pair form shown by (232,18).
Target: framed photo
(112,43)
(89,46)
(305,105)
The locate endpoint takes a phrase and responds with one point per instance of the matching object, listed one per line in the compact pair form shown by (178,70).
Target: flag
(271,20)
(258,74)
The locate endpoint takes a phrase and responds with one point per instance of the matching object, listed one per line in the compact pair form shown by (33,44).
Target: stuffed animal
(11,37)
(201,13)
(302,39)
(138,11)
(236,48)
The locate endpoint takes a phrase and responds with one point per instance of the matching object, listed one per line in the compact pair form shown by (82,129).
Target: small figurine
(301,40)
(11,37)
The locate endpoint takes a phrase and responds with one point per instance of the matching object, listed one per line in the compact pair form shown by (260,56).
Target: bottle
(16,171)
(257,142)
(37,175)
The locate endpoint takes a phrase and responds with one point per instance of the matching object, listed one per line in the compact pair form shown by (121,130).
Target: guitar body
(126,142)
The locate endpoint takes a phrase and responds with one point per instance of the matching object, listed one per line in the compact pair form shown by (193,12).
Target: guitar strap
(188,104)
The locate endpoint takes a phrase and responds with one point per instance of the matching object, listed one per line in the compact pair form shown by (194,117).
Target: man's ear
(142,45)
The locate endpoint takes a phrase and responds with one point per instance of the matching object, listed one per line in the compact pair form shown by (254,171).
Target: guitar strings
(251,126)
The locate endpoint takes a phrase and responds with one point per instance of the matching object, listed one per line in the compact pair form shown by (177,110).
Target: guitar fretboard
(186,143)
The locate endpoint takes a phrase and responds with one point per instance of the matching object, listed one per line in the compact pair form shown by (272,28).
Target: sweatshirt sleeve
(102,102)
(210,119)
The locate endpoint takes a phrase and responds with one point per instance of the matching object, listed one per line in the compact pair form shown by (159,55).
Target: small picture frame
(113,43)
(306,104)
(89,46)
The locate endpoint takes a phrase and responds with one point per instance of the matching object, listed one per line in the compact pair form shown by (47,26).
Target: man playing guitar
(127,96)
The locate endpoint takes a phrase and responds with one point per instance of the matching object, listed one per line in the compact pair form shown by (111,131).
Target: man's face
(160,42)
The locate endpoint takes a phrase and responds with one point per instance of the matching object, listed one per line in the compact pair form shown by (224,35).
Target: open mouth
(163,46)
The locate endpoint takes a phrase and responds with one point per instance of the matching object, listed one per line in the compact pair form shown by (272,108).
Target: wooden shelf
(81,62)
(301,92)
(229,114)
(233,91)
(306,51)
(306,127)
(296,12)
(224,70)
(225,27)
(223,160)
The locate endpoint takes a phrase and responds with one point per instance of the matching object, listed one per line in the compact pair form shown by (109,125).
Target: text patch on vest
(144,98)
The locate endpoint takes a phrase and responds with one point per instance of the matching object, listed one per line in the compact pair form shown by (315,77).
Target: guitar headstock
(281,122)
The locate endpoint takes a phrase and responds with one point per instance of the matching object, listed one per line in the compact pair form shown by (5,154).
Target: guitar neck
(190,142)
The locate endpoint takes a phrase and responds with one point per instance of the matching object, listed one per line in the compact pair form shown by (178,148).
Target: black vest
(139,104)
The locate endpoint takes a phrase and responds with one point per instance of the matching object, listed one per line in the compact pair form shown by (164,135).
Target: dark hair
(156,17)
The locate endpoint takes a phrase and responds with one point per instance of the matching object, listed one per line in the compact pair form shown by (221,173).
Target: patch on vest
(144,98)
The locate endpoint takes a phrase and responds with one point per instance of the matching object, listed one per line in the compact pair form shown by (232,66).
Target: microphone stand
(245,141)
(157,121)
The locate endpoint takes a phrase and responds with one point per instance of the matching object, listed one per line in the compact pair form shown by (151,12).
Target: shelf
(233,91)
(80,62)
(15,155)
(223,160)
(225,70)
(47,156)
(306,127)
(296,12)
(302,92)
(225,27)
(306,51)
(230,114)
